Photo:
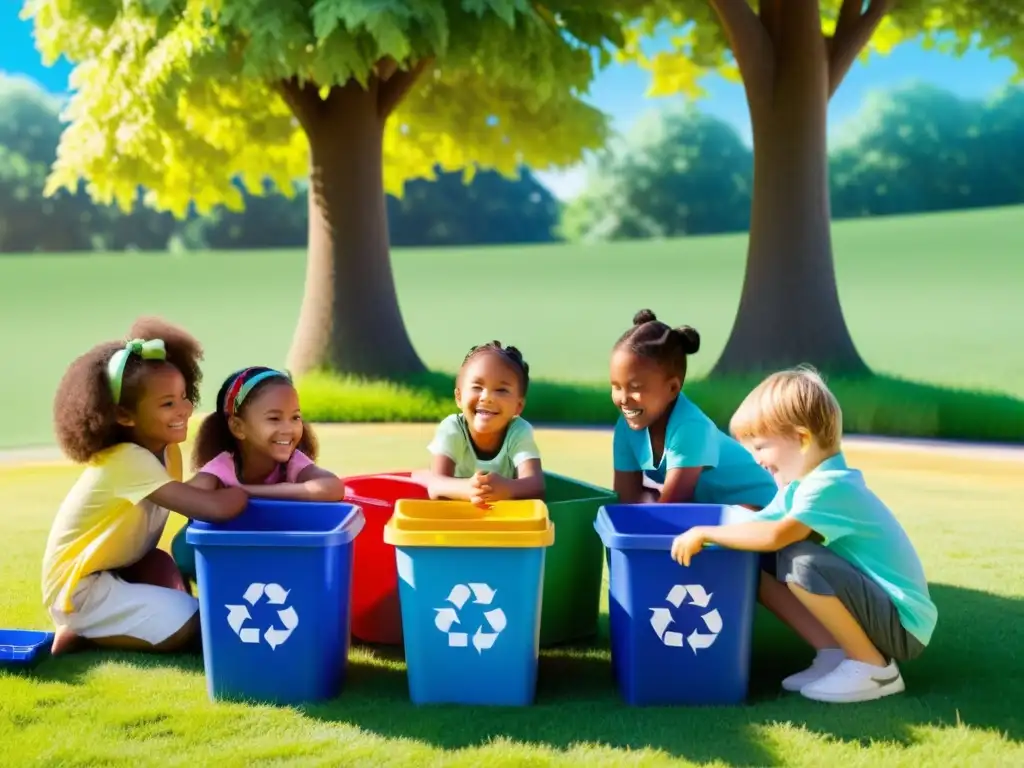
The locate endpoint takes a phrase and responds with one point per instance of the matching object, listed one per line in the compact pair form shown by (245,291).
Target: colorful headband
(242,386)
(153,349)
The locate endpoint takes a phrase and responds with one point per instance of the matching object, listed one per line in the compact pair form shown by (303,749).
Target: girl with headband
(256,440)
(122,409)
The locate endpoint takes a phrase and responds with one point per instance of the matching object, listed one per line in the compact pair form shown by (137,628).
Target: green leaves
(179,97)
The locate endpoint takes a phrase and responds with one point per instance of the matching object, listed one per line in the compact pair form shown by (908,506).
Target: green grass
(928,298)
(873,406)
(961,706)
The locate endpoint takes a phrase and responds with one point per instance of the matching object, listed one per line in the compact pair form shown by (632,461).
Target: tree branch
(394,89)
(304,101)
(751,46)
(385,68)
(770,12)
(853,32)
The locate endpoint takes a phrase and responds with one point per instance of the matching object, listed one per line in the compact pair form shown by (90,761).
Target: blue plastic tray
(23,647)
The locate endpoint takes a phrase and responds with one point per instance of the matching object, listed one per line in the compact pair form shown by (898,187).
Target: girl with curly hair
(256,439)
(487,452)
(122,409)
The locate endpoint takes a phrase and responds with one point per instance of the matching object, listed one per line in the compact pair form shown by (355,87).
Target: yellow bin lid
(429,523)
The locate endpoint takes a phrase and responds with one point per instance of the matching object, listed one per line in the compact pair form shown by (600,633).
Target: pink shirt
(223,468)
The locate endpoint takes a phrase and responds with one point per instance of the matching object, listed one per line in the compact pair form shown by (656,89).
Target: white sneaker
(856,681)
(824,662)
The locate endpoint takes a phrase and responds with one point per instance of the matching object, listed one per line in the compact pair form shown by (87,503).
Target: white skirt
(107,606)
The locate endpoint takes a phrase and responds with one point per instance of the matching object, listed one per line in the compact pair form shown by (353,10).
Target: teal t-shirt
(452,440)
(730,476)
(834,501)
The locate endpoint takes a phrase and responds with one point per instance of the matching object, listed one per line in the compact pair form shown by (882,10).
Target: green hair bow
(153,349)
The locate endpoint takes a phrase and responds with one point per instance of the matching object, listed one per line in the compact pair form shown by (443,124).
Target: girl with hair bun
(665,448)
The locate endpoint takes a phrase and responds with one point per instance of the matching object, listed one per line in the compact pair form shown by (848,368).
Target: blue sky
(620,91)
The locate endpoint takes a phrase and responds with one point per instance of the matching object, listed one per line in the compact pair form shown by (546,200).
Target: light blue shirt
(835,503)
(730,476)
(452,440)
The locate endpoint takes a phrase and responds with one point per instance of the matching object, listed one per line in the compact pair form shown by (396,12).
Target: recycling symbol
(482,595)
(276,595)
(697,640)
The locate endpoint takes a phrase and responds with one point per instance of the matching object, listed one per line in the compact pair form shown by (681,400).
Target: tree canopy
(700,42)
(183,96)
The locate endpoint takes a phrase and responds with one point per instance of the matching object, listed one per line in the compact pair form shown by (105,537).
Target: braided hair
(510,354)
(655,340)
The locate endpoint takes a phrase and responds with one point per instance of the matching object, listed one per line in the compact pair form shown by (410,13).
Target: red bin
(376,614)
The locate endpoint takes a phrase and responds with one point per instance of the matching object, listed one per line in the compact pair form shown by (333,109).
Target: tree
(792,55)
(66,221)
(184,97)
(917,149)
(678,172)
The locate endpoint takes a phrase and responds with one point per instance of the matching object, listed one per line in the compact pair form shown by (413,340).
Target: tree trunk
(350,320)
(789,311)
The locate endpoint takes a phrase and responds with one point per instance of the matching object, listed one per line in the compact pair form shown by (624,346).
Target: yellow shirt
(105,521)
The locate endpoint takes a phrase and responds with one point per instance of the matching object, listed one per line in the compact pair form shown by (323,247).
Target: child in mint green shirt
(487,452)
(846,575)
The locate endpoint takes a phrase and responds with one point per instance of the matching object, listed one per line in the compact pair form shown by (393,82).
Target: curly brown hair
(84,412)
(214,437)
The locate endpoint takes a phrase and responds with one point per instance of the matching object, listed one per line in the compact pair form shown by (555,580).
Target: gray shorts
(822,572)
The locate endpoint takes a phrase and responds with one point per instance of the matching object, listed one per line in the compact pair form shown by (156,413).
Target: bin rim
(596,490)
(481,529)
(203,534)
(470,539)
(613,539)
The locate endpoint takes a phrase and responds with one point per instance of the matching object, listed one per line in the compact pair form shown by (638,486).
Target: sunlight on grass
(960,707)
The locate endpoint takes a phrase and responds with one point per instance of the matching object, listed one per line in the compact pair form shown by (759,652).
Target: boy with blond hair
(845,575)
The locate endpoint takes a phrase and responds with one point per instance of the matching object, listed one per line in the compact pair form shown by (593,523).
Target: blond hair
(786,401)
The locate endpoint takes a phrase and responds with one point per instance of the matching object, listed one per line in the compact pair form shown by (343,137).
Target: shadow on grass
(969,675)
(875,405)
(74,668)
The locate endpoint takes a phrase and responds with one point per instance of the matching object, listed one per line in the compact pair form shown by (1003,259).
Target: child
(663,438)
(256,440)
(122,409)
(848,578)
(487,452)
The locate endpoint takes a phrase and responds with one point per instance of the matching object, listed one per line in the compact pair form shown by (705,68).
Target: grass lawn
(932,298)
(962,705)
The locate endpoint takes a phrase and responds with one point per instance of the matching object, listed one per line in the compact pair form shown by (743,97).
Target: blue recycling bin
(679,636)
(274,589)
(470,589)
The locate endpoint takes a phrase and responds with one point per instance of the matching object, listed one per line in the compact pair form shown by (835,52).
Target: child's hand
(487,488)
(688,544)
(479,490)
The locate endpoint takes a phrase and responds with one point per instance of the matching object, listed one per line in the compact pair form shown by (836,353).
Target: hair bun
(689,337)
(644,316)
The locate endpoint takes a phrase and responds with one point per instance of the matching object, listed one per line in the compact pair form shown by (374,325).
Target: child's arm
(312,484)
(755,536)
(199,504)
(441,481)
(680,485)
(528,484)
(629,487)
(204,481)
